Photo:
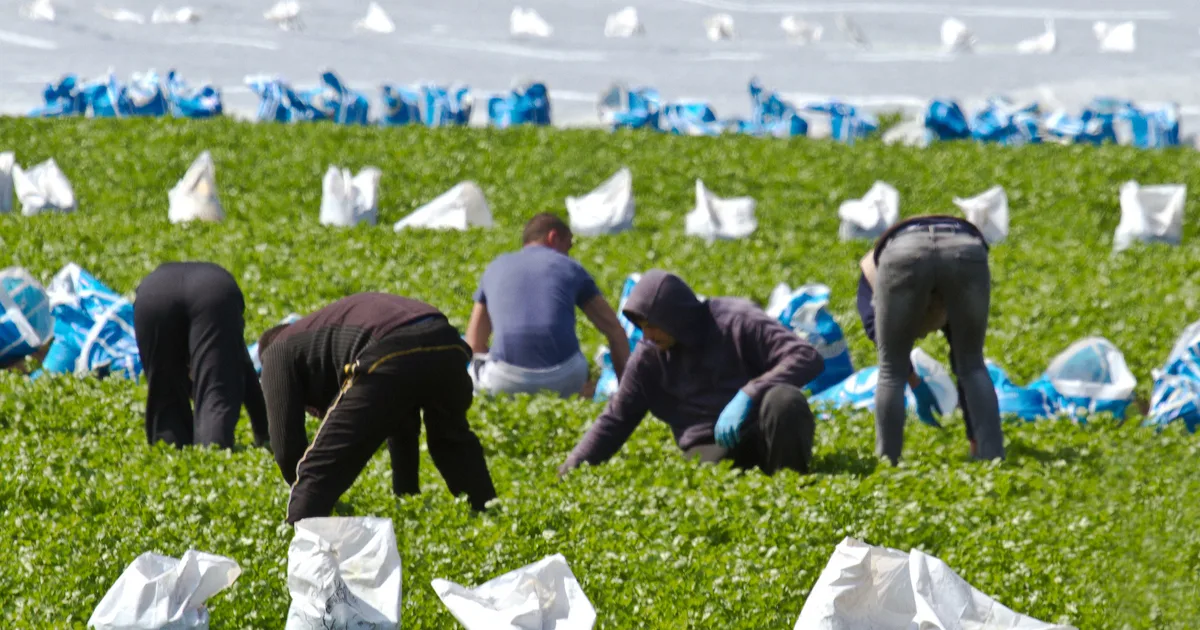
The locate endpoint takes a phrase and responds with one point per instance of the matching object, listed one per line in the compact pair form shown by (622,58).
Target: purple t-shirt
(531,297)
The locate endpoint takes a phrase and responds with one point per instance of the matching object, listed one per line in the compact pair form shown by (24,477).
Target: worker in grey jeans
(929,273)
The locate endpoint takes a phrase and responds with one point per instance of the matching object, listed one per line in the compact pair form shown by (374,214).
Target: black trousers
(413,372)
(189,327)
(778,434)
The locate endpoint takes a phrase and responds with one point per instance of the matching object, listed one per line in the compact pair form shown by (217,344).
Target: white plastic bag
(459,208)
(527,23)
(606,210)
(43,188)
(1043,44)
(182,15)
(870,216)
(285,14)
(988,211)
(349,200)
(865,586)
(194,198)
(344,573)
(7,162)
(624,23)
(799,31)
(542,596)
(1116,37)
(1152,214)
(718,27)
(38,11)
(909,133)
(157,592)
(376,21)
(956,37)
(121,15)
(716,218)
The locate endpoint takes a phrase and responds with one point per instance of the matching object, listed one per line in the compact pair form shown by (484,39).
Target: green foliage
(1092,525)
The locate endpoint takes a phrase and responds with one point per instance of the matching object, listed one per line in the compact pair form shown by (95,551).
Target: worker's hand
(928,409)
(729,423)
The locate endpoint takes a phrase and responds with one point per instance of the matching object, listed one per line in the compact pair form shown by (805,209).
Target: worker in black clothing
(187,317)
(370,365)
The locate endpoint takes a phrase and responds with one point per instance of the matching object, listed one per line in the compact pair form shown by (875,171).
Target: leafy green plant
(1092,525)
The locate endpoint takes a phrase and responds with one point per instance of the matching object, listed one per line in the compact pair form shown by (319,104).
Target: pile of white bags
(870,216)
(43,188)
(194,198)
(716,218)
(606,210)
(1151,214)
(160,593)
(348,200)
(542,596)
(865,586)
(988,211)
(344,573)
(459,208)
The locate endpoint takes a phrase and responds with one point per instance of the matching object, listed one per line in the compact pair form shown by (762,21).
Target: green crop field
(1093,525)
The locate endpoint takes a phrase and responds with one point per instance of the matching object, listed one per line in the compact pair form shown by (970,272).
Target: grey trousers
(911,268)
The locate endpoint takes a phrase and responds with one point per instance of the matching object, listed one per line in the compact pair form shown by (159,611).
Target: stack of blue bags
(331,100)
(145,95)
(1104,120)
(1176,394)
(93,328)
(427,104)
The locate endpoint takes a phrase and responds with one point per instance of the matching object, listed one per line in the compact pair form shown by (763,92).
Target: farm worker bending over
(370,365)
(722,373)
(528,299)
(924,274)
(187,318)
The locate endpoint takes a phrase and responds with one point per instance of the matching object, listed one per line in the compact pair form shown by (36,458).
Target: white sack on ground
(527,23)
(1042,44)
(1115,37)
(7,161)
(157,592)
(43,188)
(184,15)
(716,218)
(870,216)
(624,23)
(344,573)
(459,208)
(799,31)
(909,133)
(38,11)
(718,27)
(285,14)
(349,200)
(121,15)
(1152,214)
(956,37)
(606,210)
(542,596)
(865,586)
(194,198)
(988,211)
(376,21)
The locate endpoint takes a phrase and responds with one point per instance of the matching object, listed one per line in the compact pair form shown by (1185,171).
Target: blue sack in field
(528,104)
(946,120)
(1176,394)
(144,96)
(401,106)
(105,97)
(770,115)
(631,108)
(277,100)
(690,118)
(62,99)
(1094,126)
(93,328)
(188,102)
(1149,127)
(846,124)
(607,385)
(25,319)
(1089,377)
(804,311)
(858,390)
(1026,403)
(1002,122)
(333,101)
(446,106)
(253,348)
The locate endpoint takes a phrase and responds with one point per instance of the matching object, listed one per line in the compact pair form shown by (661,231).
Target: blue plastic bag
(690,118)
(188,102)
(278,102)
(770,115)
(62,99)
(25,318)
(1176,394)
(446,106)
(606,386)
(1002,122)
(1089,377)
(333,101)
(804,311)
(525,105)
(1026,403)
(1151,127)
(144,96)
(401,106)
(631,108)
(946,120)
(858,390)
(846,123)
(93,328)
(253,348)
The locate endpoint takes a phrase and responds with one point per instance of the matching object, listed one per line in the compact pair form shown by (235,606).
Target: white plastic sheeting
(607,209)
(541,596)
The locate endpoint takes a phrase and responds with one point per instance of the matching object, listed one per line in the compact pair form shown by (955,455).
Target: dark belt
(936,228)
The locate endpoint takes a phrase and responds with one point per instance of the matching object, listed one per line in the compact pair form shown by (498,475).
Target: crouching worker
(528,299)
(188,320)
(370,365)
(723,374)
(924,274)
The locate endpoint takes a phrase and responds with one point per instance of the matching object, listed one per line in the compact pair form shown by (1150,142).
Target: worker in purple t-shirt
(527,300)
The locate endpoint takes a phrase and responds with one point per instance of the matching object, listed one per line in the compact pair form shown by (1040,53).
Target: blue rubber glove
(928,409)
(729,423)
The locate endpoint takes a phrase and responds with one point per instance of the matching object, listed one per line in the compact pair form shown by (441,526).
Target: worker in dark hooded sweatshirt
(188,320)
(924,274)
(370,365)
(723,374)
